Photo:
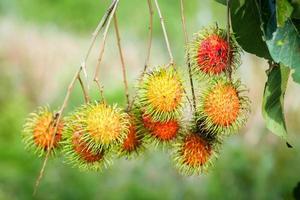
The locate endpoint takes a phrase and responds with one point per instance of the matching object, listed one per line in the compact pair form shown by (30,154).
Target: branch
(58,115)
(188,56)
(122,60)
(165,33)
(96,79)
(85,92)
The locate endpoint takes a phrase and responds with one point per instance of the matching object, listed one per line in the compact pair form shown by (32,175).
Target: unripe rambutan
(39,130)
(208,52)
(77,151)
(105,125)
(161,94)
(195,151)
(133,142)
(223,108)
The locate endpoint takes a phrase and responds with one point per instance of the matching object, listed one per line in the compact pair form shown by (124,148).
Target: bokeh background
(42,43)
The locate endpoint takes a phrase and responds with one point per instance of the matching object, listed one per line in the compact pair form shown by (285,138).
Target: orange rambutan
(195,151)
(39,129)
(223,108)
(211,54)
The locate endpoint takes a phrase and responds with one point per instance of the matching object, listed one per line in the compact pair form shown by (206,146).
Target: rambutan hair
(157,132)
(208,52)
(38,132)
(196,150)
(223,108)
(77,151)
(133,144)
(104,126)
(161,94)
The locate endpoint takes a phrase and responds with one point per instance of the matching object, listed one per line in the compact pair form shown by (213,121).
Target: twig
(122,59)
(149,45)
(96,79)
(85,92)
(58,115)
(57,119)
(94,36)
(228,41)
(186,39)
(150,35)
(165,33)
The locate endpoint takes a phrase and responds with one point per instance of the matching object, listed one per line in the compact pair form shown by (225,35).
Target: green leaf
(284,47)
(283,11)
(246,24)
(273,100)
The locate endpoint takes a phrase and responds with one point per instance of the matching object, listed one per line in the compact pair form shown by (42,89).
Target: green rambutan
(161,94)
(208,52)
(39,130)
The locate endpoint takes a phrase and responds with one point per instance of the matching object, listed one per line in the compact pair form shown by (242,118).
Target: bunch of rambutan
(222,107)
(91,135)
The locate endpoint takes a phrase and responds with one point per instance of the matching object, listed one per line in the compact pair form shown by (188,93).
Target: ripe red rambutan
(211,54)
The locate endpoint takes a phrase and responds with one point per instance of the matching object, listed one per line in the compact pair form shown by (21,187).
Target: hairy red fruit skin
(212,54)
(81,148)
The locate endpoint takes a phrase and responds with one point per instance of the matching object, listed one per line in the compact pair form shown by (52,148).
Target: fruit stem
(186,39)
(149,45)
(102,45)
(228,41)
(165,33)
(122,60)
(84,90)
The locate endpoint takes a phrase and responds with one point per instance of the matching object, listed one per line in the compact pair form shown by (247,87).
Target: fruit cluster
(94,133)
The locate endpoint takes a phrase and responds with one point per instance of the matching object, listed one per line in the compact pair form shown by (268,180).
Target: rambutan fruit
(39,129)
(158,132)
(105,126)
(222,106)
(161,94)
(208,52)
(77,151)
(195,151)
(132,145)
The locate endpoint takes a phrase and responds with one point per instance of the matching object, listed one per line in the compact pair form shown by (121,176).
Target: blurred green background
(42,43)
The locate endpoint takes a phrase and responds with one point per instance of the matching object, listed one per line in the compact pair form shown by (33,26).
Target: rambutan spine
(223,107)
(196,150)
(38,132)
(77,151)
(208,53)
(161,94)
